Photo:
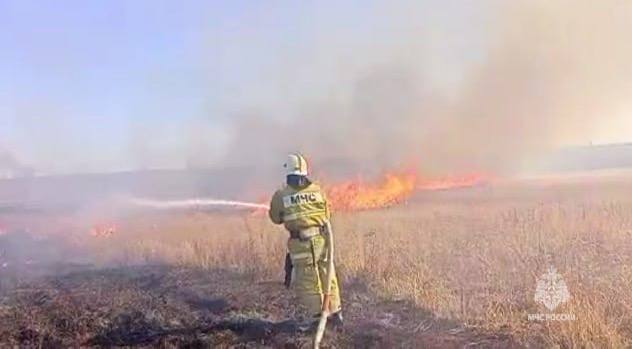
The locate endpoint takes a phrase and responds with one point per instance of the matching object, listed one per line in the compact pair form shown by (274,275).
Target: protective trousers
(309,258)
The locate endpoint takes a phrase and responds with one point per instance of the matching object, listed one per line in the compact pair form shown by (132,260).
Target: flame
(103,230)
(392,188)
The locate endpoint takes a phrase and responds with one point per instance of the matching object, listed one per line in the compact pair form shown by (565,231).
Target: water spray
(194,203)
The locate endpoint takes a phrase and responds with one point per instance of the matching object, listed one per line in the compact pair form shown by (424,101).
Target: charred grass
(163,306)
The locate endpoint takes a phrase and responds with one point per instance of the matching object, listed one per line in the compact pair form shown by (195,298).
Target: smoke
(10,165)
(8,160)
(447,87)
(551,72)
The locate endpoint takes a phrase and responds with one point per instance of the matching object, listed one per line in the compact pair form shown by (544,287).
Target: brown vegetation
(449,269)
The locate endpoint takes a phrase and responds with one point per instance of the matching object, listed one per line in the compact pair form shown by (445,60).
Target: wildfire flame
(391,189)
(103,230)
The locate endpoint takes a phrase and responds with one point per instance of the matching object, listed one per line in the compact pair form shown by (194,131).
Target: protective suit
(302,207)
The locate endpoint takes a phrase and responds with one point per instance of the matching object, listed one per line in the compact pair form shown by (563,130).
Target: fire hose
(326,311)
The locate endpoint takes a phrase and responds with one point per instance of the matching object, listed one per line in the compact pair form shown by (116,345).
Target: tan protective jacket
(299,208)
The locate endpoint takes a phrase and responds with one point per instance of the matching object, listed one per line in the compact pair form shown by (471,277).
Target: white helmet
(295,165)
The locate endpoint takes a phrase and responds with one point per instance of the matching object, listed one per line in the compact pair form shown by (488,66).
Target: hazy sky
(109,85)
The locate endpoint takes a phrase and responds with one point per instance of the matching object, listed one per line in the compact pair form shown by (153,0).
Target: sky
(107,85)
(91,86)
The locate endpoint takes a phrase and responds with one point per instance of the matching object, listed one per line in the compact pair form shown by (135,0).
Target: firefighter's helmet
(296,165)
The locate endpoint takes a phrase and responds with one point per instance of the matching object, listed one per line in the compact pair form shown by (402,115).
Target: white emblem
(301,198)
(551,290)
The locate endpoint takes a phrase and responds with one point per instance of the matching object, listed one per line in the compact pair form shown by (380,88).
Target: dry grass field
(447,269)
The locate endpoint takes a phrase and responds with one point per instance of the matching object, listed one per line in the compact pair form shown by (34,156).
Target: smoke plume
(8,161)
(10,166)
(551,72)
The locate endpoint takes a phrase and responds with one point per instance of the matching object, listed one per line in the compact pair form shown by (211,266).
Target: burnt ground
(149,306)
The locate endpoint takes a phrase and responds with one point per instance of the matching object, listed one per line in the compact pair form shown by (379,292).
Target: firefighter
(302,208)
